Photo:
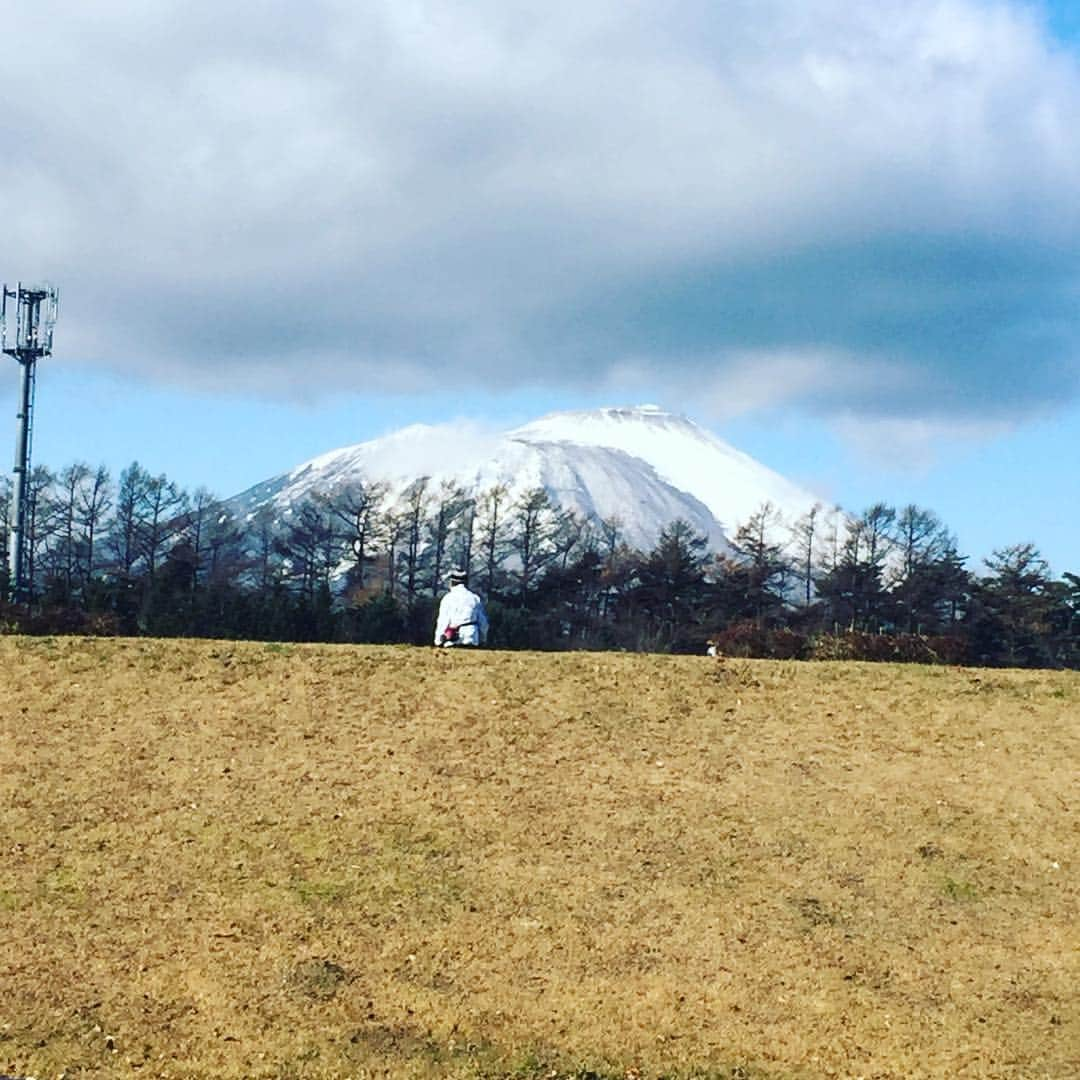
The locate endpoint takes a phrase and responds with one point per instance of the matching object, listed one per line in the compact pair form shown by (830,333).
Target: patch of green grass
(410,863)
(321,891)
(313,843)
(61,886)
(959,890)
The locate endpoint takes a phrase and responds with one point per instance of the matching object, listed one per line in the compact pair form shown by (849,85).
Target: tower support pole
(17,558)
(27,338)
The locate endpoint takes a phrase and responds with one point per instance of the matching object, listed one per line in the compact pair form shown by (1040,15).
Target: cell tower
(32,310)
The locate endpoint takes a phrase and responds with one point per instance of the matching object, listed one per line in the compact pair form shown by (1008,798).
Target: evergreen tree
(672,587)
(1065,619)
(1010,618)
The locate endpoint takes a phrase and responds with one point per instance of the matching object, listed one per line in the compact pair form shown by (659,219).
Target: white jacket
(462,608)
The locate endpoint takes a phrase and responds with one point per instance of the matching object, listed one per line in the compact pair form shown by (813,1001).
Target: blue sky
(842,236)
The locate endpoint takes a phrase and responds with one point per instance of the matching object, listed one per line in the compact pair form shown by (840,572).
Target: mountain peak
(588,425)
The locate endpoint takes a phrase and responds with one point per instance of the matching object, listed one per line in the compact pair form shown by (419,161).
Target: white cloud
(541,191)
(914,445)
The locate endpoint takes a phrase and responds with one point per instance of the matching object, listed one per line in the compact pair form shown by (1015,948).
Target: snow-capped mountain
(642,465)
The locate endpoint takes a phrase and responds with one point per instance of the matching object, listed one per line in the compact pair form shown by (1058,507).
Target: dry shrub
(749,640)
(890,648)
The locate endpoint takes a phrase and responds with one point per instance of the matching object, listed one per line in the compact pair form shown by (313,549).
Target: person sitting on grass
(462,619)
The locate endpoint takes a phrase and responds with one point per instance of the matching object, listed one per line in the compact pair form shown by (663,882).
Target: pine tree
(1010,619)
(672,584)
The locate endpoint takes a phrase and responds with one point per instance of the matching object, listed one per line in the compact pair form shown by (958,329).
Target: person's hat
(457,574)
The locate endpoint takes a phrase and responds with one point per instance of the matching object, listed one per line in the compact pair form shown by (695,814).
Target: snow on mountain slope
(642,465)
(730,483)
(602,483)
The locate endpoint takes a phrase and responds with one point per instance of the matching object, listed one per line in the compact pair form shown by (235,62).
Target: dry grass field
(247,860)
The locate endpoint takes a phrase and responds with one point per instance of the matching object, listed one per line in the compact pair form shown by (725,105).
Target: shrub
(60,620)
(892,648)
(378,620)
(747,639)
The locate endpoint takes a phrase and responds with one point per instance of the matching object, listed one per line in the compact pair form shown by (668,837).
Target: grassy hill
(247,860)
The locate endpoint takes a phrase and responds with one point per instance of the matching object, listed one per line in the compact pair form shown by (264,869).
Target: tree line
(139,555)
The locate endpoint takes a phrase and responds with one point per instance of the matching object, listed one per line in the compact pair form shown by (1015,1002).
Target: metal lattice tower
(31,312)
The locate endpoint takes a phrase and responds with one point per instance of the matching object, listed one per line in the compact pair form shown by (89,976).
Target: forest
(138,555)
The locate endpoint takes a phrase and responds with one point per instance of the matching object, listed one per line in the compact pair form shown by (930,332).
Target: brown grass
(245,860)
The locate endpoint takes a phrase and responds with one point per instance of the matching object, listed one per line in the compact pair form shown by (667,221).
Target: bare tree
(451,503)
(804,535)
(464,537)
(491,532)
(764,567)
(213,540)
(125,535)
(358,510)
(414,517)
(223,558)
(68,555)
(42,525)
(573,534)
(197,520)
(610,532)
(855,586)
(265,567)
(311,548)
(164,510)
(94,502)
(5,534)
(393,525)
(536,534)
(920,537)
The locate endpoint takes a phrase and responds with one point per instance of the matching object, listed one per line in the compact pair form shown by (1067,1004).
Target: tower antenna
(32,311)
